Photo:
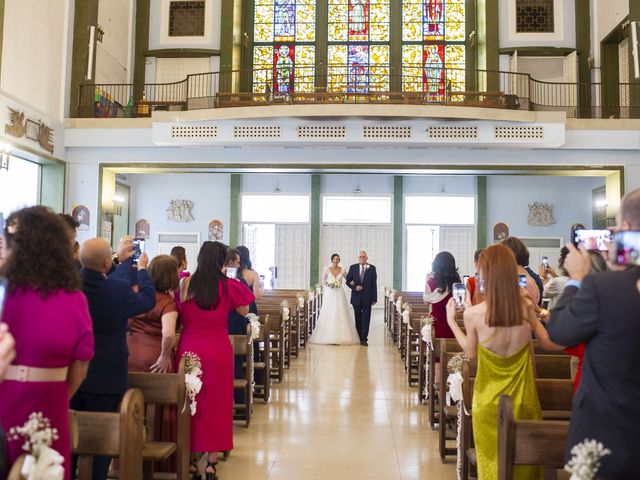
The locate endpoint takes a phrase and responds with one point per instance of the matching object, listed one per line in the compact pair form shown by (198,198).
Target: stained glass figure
(433,20)
(358,21)
(284,20)
(358,68)
(283,60)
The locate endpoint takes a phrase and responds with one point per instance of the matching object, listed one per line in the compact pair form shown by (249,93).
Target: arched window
(355,52)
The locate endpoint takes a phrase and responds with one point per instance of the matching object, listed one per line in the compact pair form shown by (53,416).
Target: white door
(292,256)
(190,242)
(348,240)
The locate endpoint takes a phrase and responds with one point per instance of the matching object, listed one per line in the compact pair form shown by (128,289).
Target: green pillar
(85,15)
(52,176)
(398,223)
(141,46)
(481,192)
(234,210)
(488,43)
(314,241)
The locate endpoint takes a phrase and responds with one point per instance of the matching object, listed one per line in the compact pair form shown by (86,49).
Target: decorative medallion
(541,214)
(179,211)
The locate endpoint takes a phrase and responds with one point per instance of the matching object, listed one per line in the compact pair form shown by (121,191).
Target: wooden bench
(117,435)
(165,389)
(279,328)
(242,347)
(529,442)
(262,364)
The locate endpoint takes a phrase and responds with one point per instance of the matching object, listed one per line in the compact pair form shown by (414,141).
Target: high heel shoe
(211,475)
(193,470)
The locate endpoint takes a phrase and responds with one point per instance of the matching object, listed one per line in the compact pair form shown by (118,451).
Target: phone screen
(522,281)
(593,239)
(232,272)
(465,279)
(545,262)
(627,245)
(458,294)
(138,248)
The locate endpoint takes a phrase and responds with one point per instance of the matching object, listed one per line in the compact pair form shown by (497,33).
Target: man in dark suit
(363,282)
(111,302)
(603,310)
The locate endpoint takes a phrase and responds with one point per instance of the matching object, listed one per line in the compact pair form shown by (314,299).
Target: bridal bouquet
(193,372)
(585,460)
(334,283)
(455,376)
(42,461)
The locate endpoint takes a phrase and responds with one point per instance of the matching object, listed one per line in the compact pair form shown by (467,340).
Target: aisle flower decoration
(42,462)
(585,459)
(193,372)
(455,393)
(254,323)
(426,333)
(300,300)
(285,310)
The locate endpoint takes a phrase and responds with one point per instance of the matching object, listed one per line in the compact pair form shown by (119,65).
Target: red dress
(439,312)
(206,334)
(49,333)
(577,351)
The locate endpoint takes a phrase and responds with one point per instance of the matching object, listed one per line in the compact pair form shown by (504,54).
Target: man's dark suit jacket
(605,313)
(369,295)
(111,303)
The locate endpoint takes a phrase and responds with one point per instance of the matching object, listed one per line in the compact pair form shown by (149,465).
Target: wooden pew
(243,347)
(530,442)
(164,389)
(262,365)
(279,328)
(117,435)
(276,345)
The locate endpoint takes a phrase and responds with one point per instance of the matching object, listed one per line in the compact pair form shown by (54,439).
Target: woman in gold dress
(498,333)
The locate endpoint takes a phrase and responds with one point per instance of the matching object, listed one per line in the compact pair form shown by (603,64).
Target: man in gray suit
(603,310)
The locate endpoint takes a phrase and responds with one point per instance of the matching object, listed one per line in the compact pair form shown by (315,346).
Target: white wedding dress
(336,324)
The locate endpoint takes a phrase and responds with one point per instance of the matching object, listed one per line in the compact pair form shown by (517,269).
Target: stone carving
(541,214)
(180,211)
(18,127)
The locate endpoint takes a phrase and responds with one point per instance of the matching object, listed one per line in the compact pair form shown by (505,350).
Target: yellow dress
(496,375)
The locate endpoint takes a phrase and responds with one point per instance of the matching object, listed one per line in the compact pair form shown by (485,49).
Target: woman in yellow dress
(498,333)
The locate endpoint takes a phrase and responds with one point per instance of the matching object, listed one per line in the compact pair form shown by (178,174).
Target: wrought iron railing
(339,84)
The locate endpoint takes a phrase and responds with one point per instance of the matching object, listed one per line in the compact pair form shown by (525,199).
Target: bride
(336,325)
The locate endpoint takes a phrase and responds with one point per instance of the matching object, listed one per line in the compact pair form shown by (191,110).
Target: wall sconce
(118,203)
(357,190)
(4,162)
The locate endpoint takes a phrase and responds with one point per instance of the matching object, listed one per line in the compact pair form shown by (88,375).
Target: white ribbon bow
(426,335)
(285,313)
(48,466)
(399,305)
(405,316)
(254,323)
(300,302)
(455,386)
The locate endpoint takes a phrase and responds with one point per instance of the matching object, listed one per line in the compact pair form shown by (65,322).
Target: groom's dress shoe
(364,343)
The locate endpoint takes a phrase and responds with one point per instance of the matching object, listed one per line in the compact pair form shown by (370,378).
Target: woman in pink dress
(49,319)
(207,298)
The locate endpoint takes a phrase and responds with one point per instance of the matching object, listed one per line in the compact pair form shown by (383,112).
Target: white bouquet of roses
(42,461)
(333,283)
(193,372)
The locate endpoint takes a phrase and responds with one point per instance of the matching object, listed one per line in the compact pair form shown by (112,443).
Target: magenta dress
(206,334)
(439,313)
(49,333)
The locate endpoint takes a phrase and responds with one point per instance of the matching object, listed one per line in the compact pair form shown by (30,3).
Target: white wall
(445,185)
(508,198)
(545,69)
(151,194)
(563,36)
(346,183)
(82,189)
(35,53)
(114,56)
(266,183)
(159,27)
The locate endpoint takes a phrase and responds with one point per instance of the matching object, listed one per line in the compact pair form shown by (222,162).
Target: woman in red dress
(207,298)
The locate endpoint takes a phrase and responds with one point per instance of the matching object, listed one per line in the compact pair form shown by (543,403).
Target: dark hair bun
(334,255)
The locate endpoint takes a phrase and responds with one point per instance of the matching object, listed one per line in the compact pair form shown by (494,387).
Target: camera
(138,249)
(545,262)
(522,281)
(592,239)
(627,248)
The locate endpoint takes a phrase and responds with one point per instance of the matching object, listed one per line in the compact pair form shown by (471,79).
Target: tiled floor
(340,412)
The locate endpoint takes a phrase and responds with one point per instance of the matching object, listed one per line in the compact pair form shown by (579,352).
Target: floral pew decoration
(41,462)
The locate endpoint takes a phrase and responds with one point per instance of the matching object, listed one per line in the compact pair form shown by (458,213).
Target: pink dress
(206,334)
(49,333)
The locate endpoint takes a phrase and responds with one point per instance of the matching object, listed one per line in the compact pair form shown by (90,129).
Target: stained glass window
(433,53)
(358,21)
(358,68)
(284,55)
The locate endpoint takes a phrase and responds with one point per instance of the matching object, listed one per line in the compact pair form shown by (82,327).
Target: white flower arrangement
(254,323)
(300,300)
(585,460)
(334,283)
(285,310)
(455,376)
(42,461)
(193,372)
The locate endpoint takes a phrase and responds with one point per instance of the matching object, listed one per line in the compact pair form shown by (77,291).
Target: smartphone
(232,272)
(574,228)
(465,279)
(545,262)
(458,291)
(592,239)
(627,248)
(522,281)
(138,248)
(3,295)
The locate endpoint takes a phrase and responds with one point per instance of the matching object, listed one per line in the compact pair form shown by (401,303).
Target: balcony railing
(340,84)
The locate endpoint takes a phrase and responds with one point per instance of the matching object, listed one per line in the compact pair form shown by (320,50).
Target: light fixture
(357,190)
(4,162)
(118,203)
(634,49)
(601,203)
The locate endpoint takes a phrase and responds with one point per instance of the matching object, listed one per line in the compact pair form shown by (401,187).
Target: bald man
(111,302)
(362,279)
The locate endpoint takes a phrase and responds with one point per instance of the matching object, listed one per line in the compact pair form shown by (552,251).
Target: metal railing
(342,84)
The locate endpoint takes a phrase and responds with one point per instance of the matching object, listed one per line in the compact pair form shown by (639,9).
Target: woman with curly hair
(437,291)
(49,319)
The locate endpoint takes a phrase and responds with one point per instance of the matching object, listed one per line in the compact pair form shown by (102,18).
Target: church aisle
(340,412)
